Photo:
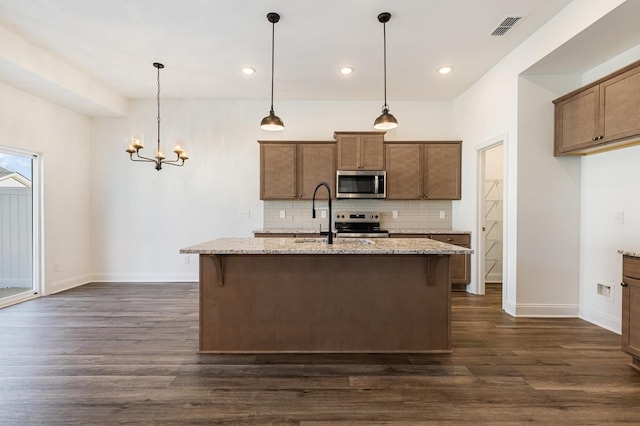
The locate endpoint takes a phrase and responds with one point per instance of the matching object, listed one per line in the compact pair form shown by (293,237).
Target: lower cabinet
(460,263)
(631,308)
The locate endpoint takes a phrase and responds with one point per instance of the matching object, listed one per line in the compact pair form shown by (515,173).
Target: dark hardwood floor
(126,353)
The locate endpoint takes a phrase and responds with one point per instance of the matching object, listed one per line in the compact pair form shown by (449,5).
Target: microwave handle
(376,185)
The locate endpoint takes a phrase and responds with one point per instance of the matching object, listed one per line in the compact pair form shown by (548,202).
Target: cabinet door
(404,174)
(348,152)
(316,163)
(277,171)
(360,151)
(371,152)
(577,121)
(442,171)
(460,263)
(620,106)
(631,306)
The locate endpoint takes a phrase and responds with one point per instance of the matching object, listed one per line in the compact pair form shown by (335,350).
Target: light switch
(394,214)
(619,218)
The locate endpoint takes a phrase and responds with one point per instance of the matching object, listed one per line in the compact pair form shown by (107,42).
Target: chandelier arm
(142,158)
(177,163)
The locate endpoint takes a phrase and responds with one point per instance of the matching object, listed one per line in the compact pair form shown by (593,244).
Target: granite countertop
(391,231)
(629,253)
(319,246)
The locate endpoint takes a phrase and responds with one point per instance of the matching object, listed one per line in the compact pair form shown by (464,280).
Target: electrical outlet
(187,260)
(442,214)
(619,218)
(56,267)
(283,214)
(244,213)
(323,214)
(394,214)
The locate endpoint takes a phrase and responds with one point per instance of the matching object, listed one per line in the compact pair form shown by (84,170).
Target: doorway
(491,193)
(19,247)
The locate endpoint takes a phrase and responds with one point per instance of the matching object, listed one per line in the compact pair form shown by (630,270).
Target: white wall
(548,212)
(142,217)
(490,110)
(63,138)
(610,185)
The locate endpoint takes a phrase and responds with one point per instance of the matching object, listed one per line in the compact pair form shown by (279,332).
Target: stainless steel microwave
(361,184)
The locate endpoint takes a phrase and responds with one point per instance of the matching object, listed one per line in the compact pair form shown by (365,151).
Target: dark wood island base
(324,303)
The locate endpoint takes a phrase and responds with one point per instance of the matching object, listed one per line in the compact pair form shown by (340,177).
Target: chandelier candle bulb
(178,149)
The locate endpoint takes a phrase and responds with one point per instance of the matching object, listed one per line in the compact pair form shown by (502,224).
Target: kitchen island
(303,295)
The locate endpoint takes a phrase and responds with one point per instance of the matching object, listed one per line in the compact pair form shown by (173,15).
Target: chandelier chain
(158,100)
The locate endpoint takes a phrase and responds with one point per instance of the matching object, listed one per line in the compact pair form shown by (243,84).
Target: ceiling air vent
(505,25)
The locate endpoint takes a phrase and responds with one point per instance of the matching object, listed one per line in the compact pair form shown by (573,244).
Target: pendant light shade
(386,120)
(272,122)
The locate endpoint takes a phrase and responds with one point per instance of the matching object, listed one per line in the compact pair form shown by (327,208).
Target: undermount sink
(358,241)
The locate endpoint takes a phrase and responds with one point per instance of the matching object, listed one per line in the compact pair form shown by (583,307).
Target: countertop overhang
(372,246)
(631,253)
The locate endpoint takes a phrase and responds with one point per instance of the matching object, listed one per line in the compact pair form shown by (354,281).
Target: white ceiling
(205,43)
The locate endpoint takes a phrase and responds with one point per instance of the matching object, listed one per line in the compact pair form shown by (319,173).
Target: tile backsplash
(411,214)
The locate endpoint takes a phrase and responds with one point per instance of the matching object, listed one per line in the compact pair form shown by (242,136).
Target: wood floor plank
(120,353)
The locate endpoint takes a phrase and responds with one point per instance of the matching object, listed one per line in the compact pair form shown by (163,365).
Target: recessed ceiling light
(346,70)
(248,70)
(445,70)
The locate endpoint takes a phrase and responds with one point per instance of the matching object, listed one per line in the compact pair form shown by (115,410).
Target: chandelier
(136,142)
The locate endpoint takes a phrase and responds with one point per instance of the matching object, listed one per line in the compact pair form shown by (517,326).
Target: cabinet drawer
(631,267)
(463,240)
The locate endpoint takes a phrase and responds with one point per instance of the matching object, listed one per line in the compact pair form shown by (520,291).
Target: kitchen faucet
(313,208)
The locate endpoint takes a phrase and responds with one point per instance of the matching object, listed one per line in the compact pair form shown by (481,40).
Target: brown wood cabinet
(601,116)
(631,308)
(291,170)
(460,263)
(360,150)
(424,170)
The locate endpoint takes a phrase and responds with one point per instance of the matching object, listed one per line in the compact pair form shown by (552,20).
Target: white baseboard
(601,319)
(67,284)
(546,310)
(141,278)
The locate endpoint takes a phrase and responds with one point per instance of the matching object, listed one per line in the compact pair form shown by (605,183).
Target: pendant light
(136,142)
(386,120)
(272,122)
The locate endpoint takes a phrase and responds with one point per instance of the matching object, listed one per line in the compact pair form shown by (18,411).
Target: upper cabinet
(291,170)
(360,150)
(424,170)
(601,116)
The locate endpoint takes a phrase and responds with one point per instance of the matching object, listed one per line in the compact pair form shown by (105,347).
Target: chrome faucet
(313,208)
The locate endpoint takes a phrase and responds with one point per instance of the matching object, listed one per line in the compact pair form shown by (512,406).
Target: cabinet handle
(595,138)
(623,284)
(600,137)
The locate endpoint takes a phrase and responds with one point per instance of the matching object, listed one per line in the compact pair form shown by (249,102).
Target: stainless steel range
(359,225)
